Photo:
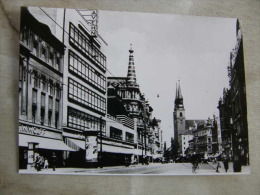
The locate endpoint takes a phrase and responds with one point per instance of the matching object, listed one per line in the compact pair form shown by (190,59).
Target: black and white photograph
(129,93)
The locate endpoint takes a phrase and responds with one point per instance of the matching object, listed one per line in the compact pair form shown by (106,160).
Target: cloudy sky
(168,48)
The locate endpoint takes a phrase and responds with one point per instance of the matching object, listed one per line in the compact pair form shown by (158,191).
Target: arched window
(180,114)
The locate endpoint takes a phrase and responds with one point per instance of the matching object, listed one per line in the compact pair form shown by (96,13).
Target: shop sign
(91,149)
(30,130)
(77,136)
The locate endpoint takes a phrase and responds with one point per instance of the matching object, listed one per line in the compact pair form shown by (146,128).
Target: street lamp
(100,152)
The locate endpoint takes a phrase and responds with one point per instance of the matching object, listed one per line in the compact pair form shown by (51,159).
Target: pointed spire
(131,68)
(176,95)
(179,91)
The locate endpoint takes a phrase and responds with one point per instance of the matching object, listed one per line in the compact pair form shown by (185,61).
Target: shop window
(115,133)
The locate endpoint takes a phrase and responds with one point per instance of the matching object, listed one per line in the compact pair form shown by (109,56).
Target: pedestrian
(38,163)
(218,166)
(225,162)
(54,161)
(46,164)
(42,162)
(126,162)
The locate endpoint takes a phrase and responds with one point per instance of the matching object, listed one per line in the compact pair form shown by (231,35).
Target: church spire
(179,97)
(131,68)
(179,91)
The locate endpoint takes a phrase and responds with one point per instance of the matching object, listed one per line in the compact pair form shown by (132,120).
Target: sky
(168,48)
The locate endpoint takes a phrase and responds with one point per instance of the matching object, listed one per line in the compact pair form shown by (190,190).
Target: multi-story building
(206,138)
(185,137)
(137,108)
(224,107)
(84,93)
(40,92)
(84,81)
(233,108)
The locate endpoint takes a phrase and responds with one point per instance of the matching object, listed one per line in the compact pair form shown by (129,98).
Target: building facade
(137,108)
(233,108)
(206,138)
(40,92)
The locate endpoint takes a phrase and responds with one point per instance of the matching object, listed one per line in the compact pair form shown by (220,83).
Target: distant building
(178,116)
(206,138)
(185,137)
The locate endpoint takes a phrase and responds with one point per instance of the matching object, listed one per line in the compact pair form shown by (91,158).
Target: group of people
(225,163)
(41,162)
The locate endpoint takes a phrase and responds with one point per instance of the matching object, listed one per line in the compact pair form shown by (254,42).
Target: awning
(44,143)
(75,144)
(115,149)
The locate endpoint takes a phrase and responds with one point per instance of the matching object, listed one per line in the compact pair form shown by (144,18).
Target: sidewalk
(245,169)
(73,170)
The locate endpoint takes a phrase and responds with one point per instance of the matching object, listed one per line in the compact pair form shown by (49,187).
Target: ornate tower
(131,67)
(179,114)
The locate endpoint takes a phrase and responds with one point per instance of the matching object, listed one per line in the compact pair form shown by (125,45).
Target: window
(81,68)
(51,87)
(50,102)
(43,53)
(35,48)
(51,58)
(44,85)
(82,121)
(42,115)
(34,109)
(35,79)
(49,117)
(34,97)
(129,137)
(115,133)
(81,41)
(56,119)
(43,100)
(86,97)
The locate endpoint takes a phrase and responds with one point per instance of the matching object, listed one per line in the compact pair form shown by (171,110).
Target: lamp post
(100,138)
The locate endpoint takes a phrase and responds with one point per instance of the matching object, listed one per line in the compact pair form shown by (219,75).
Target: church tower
(179,114)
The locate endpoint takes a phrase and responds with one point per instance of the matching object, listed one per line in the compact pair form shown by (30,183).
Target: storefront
(34,141)
(116,153)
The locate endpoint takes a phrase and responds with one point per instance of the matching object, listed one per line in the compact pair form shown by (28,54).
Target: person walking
(46,164)
(54,161)
(218,166)
(225,162)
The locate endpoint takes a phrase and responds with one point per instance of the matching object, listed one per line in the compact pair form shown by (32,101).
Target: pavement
(151,169)
(245,169)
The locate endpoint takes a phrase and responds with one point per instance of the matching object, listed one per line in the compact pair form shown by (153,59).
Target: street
(152,168)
